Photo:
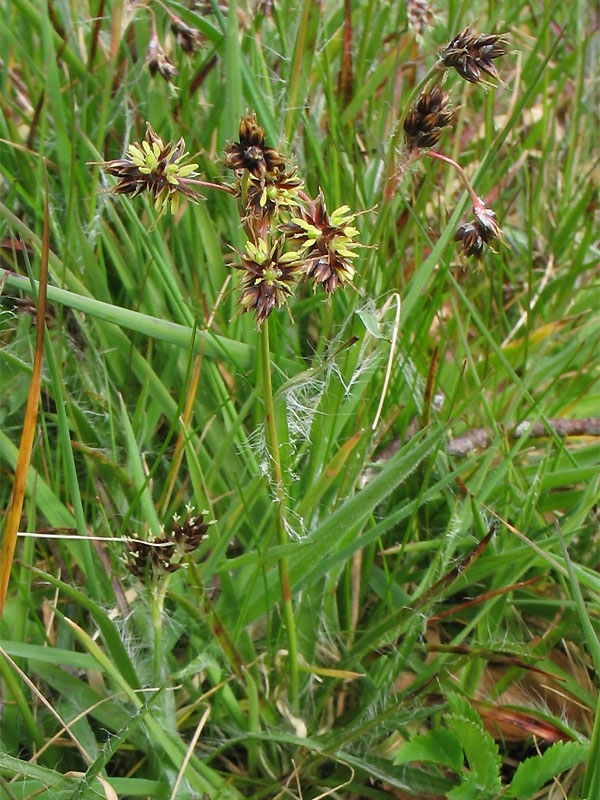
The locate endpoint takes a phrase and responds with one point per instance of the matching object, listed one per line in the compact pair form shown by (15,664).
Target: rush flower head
(473,55)
(165,553)
(269,277)
(326,243)
(484,229)
(155,167)
(250,152)
(158,61)
(425,121)
(189,39)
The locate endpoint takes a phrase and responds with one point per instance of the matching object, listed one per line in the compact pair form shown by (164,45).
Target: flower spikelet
(326,243)
(425,121)
(157,168)
(165,553)
(472,55)
(269,277)
(250,152)
(484,229)
(189,39)
(158,61)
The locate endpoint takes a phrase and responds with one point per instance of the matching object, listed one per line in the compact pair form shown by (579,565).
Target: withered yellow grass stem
(14,512)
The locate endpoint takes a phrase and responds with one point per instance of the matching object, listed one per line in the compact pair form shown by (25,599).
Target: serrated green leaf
(481,751)
(439,747)
(461,707)
(533,773)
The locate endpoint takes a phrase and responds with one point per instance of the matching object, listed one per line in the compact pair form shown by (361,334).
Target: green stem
(297,63)
(284,572)
(157,601)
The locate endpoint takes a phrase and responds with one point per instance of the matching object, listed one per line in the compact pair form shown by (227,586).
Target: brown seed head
(189,39)
(473,55)
(430,114)
(419,16)
(165,553)
(158,60)
(484,229)
(250,152)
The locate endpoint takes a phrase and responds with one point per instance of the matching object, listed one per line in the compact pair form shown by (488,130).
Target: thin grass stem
(283,563)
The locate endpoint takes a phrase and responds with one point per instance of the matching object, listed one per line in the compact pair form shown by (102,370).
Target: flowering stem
(157,600)
(220,187)
(477,201)
(284,573)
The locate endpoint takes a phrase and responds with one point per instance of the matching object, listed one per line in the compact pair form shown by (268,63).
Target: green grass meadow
(413,610)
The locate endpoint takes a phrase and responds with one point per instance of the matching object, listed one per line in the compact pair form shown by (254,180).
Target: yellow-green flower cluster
(327,243)
(156,167)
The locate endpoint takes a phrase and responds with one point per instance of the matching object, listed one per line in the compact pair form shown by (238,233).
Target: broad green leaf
(438,746)
(533,773)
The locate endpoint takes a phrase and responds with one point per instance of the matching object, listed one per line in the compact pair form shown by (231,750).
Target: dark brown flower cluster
(472,55)
(251,153)
(165,553)
(157,168)
(484,229)
(189,39)
(430,114)
(419,16)
(158,60)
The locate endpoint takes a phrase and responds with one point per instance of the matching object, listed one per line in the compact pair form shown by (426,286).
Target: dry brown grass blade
(428,396)
(482,598)
(515,725)
(14,512)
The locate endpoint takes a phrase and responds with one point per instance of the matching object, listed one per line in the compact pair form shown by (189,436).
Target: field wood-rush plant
(300,400)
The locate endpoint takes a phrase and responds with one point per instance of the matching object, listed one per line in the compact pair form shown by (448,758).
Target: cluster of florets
(291,237)
(426,120)
(472,55)
(483,229)
(155,167)
(189,39)
(165,553)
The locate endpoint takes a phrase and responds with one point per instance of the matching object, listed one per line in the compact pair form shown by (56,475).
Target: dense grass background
(476,658)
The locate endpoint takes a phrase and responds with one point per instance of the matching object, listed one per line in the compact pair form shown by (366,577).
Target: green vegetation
(351,551)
